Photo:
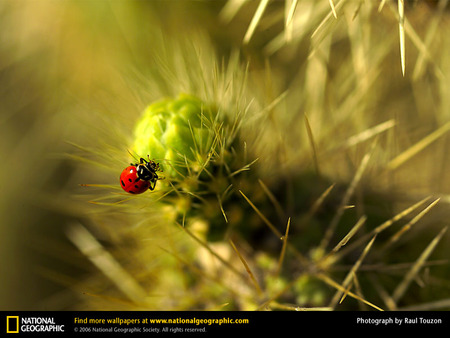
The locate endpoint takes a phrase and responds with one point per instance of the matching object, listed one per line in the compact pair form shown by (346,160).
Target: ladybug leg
(152,185)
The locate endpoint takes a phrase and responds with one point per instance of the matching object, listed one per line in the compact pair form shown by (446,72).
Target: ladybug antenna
(132,155)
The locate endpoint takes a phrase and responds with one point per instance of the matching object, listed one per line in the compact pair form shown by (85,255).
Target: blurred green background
(64,65)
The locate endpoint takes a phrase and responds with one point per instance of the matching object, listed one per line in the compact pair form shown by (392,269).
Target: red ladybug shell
(130,182)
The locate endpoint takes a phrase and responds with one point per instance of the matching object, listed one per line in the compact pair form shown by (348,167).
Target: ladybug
(139,177)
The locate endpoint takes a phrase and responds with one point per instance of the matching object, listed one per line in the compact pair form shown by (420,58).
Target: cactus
(271,201)
(177,131)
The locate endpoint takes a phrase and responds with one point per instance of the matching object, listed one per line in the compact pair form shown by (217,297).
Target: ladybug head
(146,172)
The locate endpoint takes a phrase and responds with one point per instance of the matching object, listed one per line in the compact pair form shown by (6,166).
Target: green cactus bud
(176,132)
(309,291)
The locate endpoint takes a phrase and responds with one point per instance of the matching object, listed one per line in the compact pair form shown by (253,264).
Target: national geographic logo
(14,324)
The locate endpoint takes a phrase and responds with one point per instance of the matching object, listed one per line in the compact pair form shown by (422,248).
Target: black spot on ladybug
(137,179)
(136,186)
(131,191)
(121,181)
(130,180)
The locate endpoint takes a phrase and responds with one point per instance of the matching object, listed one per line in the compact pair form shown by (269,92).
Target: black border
(264,323)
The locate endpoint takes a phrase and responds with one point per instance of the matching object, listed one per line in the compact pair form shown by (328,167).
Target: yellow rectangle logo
(12,324)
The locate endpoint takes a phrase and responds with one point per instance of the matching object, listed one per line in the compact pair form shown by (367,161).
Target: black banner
(79,323)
